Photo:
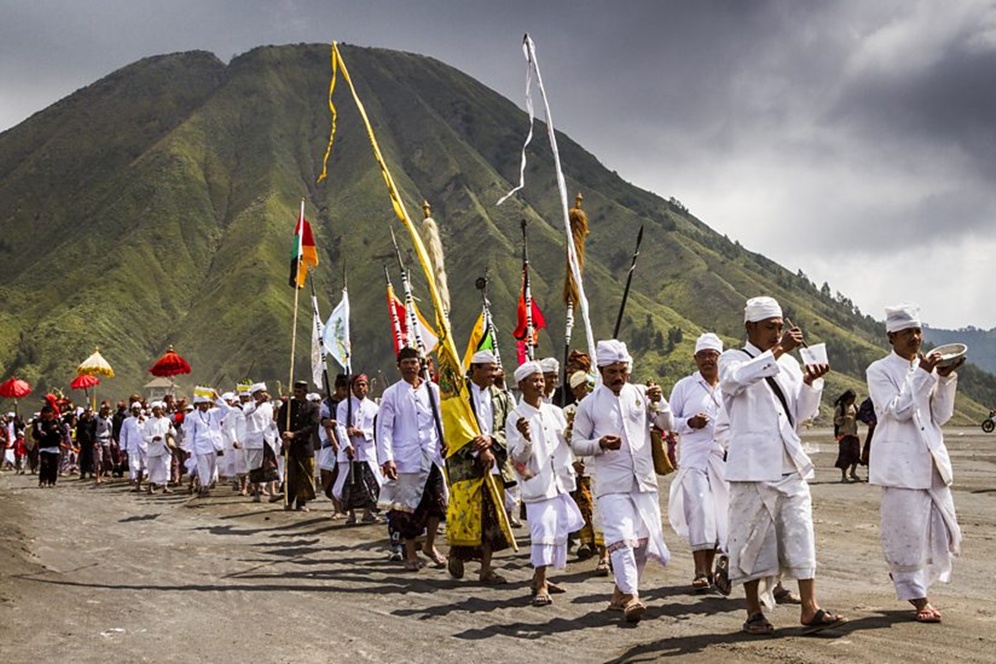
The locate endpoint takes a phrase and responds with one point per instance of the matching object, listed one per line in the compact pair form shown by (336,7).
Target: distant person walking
(845,428)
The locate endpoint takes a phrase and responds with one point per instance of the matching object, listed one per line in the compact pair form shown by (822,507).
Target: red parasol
(14,388)
(84,382)
(170,365)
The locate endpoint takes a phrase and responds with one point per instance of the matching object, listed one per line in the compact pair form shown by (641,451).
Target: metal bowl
(950,354)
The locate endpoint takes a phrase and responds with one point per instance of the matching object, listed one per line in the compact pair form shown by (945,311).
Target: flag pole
(629,280)
(290,379)
(349,386)
(530,333)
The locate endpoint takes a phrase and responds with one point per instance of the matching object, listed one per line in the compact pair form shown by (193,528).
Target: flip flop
(492,578)
(602,568)
(437,559)
(721,579)
(822,620)
(786,596)
(701,582)
(758,625)
(554,589)
(413,566)
(542,598)
(927,614)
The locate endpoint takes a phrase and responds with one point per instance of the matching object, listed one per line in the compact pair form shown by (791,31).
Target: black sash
(777,389)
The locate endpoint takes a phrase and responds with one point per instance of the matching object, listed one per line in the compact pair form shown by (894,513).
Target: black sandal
(721,579)
(758,625)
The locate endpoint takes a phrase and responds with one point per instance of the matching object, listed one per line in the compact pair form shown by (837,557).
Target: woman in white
(158,431)
(699,499)
(543,460)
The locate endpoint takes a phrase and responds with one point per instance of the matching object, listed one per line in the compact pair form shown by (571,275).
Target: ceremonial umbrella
(169,365)
(14,388)
(84,382)
(95,365)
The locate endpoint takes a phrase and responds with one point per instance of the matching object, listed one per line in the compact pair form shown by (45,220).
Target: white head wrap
(313,396)
(526,370)
(902,316)
(709,341)
(136,404)
(611,351)
(550,365)
(579,377)
(203,394)
(157,404)
(228,396)
(761,308)
(483,357)
(257,387)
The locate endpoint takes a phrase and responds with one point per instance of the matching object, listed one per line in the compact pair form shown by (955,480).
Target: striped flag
(305,254)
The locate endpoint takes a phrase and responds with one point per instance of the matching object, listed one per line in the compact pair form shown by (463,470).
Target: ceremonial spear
(527,295)
(629,280)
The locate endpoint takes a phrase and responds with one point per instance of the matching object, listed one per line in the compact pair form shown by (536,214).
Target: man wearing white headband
(914,396)
(612,425)
(158,433)
(262,445)
(542,459)
(699,500)
(133,442)
(476,534)
(767,397)
(551,377)
(203,436)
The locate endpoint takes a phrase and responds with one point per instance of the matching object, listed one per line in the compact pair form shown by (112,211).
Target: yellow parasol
(95,365)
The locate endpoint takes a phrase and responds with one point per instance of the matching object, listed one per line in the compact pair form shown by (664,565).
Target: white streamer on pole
(532,65)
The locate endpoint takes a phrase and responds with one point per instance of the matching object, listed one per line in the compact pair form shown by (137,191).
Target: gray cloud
(847,138)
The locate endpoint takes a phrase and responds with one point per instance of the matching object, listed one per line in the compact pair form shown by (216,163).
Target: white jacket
(546,455)
(690,396)
(157,427)
(911,406)
(628,416)
(364,414)
(760,435)
(406,430)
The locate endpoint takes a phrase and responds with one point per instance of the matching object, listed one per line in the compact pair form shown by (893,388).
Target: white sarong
(698,506)
(137,464)
(633,520)
(159,467)
(920,537)
(254,457)
(550,522)
(771,533)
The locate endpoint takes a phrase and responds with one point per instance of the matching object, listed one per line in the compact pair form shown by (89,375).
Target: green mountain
(157,207)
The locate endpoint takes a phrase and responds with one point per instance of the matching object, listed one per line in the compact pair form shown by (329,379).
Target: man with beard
(410,449)
(297,422)
(767,397)
(914,396)
(612,425)
(158,433)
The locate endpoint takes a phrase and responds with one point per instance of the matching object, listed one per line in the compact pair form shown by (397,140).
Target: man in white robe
(236,422)
(133,442)
(158,430)
(203,435)
(358,483)
(543,460)
(410,451)
(767,397)
(612,425)
(262,444)
(699,500)
(913,399)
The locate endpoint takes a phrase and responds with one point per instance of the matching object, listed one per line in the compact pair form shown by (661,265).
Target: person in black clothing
(296,433)
(119,455)
(48,433)
(86,432)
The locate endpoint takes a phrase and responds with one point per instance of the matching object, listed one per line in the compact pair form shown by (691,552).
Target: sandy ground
(99,574)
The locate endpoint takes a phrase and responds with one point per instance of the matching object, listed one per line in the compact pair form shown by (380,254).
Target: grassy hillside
(157,205)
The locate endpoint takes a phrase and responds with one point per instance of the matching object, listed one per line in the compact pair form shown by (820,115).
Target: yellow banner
(459,423)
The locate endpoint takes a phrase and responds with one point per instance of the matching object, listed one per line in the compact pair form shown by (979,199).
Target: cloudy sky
(854,140)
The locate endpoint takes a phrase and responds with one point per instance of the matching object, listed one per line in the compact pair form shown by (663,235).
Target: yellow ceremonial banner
(476,335)
(459,423)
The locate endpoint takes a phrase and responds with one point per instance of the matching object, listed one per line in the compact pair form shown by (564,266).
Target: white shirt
(547,456)
(629,416)
(130,438)
(364,413)
(259,424)
(690,396)
(911,406)
(204,429)
(483,407)
(157,427)
(763,443)
(406,429)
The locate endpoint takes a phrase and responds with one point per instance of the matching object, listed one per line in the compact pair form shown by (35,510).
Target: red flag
(305,254)
(396,310)
(538,321)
